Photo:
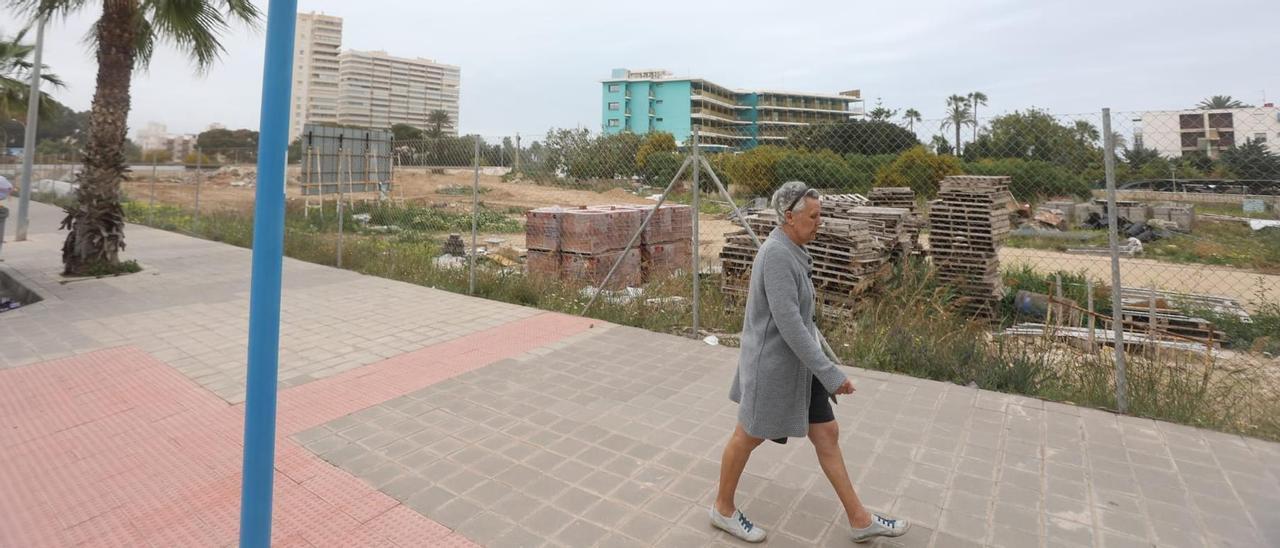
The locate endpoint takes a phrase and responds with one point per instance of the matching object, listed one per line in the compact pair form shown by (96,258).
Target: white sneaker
(881,527)
(737,525)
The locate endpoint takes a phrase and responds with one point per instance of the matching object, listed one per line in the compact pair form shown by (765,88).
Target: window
(1191,121)
(614,122)
(615,105)
(614,88)
(1260,137)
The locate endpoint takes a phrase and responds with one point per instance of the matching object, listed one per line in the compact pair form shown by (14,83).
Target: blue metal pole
(264,291)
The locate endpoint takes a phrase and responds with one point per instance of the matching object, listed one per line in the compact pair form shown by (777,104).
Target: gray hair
(791,192)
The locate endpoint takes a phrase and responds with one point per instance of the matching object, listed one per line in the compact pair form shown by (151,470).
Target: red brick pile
(580,245)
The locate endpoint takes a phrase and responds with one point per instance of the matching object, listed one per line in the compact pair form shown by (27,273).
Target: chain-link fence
(989,252)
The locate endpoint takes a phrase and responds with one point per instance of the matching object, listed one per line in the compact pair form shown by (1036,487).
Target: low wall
(1186,197)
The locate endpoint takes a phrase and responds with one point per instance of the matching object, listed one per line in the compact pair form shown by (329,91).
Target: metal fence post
(475,211)
(29,137)
(517,153)
(697,256)
(151,202)
(195,224)
(1113,232)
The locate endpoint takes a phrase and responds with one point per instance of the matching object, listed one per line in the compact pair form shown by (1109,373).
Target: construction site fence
(1194,193)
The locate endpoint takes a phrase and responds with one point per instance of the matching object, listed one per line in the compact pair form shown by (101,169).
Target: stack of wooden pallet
(847,261)
(892,226)
(838,205)
(967,226)
(893,196)
(905,198)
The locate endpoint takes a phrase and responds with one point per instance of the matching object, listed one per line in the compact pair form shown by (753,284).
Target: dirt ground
(218,193)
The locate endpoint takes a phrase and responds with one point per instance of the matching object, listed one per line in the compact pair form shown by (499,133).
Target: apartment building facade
(318,43)
(364,88)
(655,100)
(1177,132)
(381,90)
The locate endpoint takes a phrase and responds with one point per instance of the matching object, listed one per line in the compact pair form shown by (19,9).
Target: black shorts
(819,405)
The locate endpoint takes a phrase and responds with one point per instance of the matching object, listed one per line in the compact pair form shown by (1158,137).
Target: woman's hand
(846,388)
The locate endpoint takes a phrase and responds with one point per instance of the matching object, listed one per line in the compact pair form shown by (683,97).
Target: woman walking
(784,377)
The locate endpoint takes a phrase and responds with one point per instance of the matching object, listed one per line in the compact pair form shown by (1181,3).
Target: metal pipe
(475,210)
(29,137)
(1113,233)
(697,255)
(264,289)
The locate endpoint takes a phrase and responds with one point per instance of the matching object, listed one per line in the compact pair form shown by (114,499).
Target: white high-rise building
(381,90)
(364,88)
(317,41)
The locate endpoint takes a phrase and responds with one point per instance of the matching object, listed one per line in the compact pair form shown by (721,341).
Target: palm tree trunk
(958,124)
(975,120)
(97,220)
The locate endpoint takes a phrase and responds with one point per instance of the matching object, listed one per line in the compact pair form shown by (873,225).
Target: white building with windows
(1177,132)
(317,41)
(380,90)
(364,88)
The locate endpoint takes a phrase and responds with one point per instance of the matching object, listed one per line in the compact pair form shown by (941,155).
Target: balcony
(716,115)
(717,100)
(721,132)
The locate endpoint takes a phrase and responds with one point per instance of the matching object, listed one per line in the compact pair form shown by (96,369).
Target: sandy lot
(217,193)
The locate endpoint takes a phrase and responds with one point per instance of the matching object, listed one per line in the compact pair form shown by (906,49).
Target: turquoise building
(655,100)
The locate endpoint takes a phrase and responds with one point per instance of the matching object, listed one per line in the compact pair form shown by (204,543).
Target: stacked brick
(666,245)
(580,245)
(968,224)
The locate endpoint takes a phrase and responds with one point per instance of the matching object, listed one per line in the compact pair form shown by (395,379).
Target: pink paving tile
(318,402)
(115,448)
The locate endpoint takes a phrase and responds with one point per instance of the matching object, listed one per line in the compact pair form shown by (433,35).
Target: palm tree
(976,98)
(1220,102)
(1085,131)
(958,115)
(911,116)
(439,120)
(15,79)
(124,39)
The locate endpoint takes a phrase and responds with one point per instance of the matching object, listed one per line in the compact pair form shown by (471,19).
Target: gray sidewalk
(615,441)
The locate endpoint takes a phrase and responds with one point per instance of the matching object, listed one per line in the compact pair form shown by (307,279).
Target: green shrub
(863,168)
(823,169)
(919,169)
(755,170)
(1032,179)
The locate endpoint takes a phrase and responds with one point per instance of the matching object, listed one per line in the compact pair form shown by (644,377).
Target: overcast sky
(527,66)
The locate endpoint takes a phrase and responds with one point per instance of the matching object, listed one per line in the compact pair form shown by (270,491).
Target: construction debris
(1130,248)
(1133,341)
(1051,219)
(1182,216)
(1226,306)
(967,226)
(454,246)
